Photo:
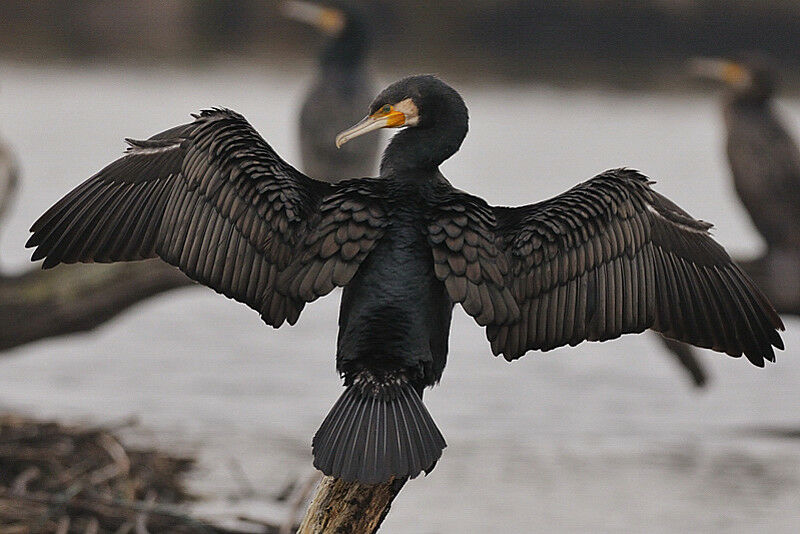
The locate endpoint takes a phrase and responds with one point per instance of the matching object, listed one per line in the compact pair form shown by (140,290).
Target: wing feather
(466,258)
(214,199)
(608,257)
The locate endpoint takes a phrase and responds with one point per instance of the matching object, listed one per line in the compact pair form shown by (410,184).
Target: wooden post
(349,507)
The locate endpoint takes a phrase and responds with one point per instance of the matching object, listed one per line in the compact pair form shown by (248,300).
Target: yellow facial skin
(386,117)
(735,74)
(729,72)
(331,21)
(393,117)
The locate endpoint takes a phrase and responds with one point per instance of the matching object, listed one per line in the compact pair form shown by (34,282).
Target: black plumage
(608,257)
(342,88)
(763,157)
(9,178)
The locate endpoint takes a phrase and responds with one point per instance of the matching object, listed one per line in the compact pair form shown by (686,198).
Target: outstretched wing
(466,256)
(214,199)
(611,256)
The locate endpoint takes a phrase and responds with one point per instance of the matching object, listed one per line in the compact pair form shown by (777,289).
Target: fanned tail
(377,431)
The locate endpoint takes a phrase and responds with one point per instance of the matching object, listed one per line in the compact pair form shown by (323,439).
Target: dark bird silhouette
(762,154)
(610,256)
(9,178)
(341,91)
(9,181)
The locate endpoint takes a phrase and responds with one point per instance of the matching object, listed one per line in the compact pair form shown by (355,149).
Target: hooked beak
(327,19)
(376,121)
(721,70)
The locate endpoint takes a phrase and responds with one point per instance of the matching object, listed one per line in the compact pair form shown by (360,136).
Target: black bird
(762,154)
(608,257)
(9,178)
(343,88)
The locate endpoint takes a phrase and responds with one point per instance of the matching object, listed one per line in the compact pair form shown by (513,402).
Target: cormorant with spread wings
(608,257)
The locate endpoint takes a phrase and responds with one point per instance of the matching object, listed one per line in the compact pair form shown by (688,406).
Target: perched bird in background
(764,161)
(341,91)
(610,256)
(9,178)
(762,154)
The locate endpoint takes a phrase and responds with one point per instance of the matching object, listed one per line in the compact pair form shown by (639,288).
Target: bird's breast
(393,307)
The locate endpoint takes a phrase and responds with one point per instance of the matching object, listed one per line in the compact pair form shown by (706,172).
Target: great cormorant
(763,156)
(343,88)
(8,178)
(610,256)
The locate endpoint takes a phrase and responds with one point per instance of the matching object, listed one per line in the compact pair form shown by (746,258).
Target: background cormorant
(8,178)
(340,92)
(762,154)
(610,256)
(765,164)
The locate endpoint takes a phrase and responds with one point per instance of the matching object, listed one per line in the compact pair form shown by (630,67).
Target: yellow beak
(327,19)
(721,70)
(376,121)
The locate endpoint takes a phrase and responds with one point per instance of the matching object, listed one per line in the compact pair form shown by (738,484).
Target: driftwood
(73,298)
(352,507)
(61,479)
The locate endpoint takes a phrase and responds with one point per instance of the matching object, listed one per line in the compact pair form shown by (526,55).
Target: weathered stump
(349,507)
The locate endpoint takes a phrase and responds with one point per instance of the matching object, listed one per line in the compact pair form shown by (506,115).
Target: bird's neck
(345,52)
(337,74)
(421,149)
(749,100)
(742,116)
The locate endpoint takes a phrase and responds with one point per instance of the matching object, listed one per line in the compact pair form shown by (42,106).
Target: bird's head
(750,76)
(329,19)
(344,24)
(422,102)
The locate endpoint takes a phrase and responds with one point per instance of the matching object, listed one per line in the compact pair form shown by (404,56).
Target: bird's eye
(386,108)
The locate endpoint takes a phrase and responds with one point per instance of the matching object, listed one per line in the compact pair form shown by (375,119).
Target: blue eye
(386,108)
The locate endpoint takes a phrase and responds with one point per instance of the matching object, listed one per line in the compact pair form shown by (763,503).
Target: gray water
(600,438)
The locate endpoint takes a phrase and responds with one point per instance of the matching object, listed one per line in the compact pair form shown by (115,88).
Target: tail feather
(333,426)
(374,435)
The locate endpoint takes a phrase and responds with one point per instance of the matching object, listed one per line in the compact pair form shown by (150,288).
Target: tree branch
(74,298)
(340,506)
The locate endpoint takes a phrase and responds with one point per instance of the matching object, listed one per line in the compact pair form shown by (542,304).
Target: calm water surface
(600,438)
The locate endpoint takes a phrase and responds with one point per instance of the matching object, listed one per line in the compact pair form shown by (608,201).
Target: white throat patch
(408,108)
